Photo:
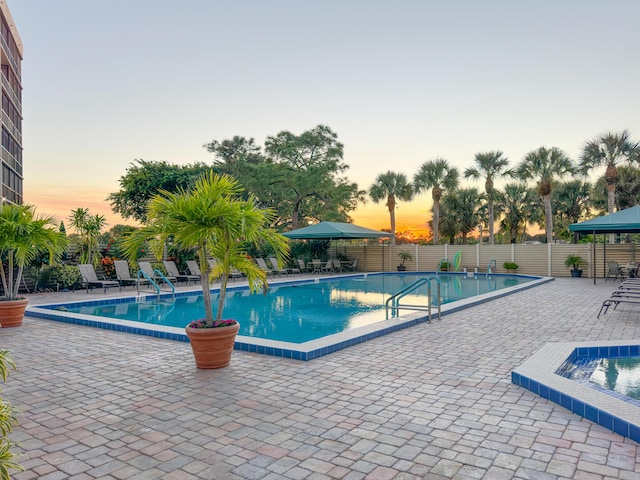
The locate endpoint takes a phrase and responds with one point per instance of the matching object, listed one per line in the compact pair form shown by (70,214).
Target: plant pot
(212,347)
(576,273)
(12,312)
(401,268)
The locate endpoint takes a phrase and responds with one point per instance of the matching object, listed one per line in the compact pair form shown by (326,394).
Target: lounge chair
(172,270)
(147,268)
(276,268)
(91,280)
(124,275)
(308,267)
(617,298)
(263,266)
(234,273)
(194,268)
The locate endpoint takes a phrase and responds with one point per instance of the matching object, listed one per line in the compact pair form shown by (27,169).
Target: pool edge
(537,374)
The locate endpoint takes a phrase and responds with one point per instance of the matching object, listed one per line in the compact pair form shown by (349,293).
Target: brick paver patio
(431,402)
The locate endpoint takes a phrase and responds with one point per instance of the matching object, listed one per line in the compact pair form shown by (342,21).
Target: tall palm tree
(545,165)
(392,187)
(461,207)
(609,149)
(89,228)
(490,165)
(436,175)
(518,204)
(570,202)
(218,223)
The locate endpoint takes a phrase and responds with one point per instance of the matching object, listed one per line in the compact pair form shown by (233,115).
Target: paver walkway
(430,402)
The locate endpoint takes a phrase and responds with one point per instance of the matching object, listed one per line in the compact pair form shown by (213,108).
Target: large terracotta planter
(212,347)
(12,312)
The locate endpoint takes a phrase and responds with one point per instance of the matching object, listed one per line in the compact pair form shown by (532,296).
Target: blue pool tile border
(542,375)
(305,352)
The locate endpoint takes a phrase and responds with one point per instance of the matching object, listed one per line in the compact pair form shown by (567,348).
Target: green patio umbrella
(334,231)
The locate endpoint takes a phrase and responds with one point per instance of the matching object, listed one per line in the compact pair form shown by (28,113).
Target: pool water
(307,310)
(615,374)
(620,375)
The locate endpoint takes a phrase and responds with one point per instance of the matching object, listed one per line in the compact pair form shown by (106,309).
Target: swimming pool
(302,319)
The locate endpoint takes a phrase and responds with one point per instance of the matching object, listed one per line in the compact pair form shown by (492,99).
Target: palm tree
(213,219)
(392,187)
(545,165)
(609,149)
(570,202)
(436,175)
(490,165)
(89,228)
(461,208)
(23,236)
(518,204)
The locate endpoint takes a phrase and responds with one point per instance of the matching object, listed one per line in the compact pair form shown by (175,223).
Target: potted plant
(510,266)
(404,256)
(214,220)
(575,262)
(444,265)
(23,236)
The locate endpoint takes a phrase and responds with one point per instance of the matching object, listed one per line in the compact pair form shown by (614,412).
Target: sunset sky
(400,83)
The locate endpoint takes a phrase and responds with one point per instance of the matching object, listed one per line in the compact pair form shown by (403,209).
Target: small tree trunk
(391,205)
(548,218)
(204,281)
(490,205)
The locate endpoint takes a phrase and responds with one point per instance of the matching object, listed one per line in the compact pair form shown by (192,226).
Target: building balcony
(10,126)
(15,98)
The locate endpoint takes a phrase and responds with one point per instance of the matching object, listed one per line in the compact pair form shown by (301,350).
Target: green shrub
(66,276)
(510,266)
(7,421)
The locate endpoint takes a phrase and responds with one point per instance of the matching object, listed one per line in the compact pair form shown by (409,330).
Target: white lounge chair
(91,280)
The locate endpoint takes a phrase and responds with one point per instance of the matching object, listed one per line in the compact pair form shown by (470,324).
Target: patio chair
(124,275)
(172,270)
(147,268)
(337,265)
(614,270)
(328,267)
(317,265)
(354,265)
(91,280)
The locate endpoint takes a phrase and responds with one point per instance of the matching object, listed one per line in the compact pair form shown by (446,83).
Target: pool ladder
(152,283)
(393,303)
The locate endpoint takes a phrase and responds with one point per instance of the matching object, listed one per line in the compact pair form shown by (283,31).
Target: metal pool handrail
(155,285)
(395,299)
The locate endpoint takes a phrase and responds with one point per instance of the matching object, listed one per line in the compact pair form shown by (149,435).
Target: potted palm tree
(575,262)
(23,236)
(215,221)
(404,256)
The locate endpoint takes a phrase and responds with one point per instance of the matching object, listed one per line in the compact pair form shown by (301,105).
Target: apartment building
(11,80)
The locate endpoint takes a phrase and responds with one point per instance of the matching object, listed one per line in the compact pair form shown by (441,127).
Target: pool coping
(538,375)
(303,351)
